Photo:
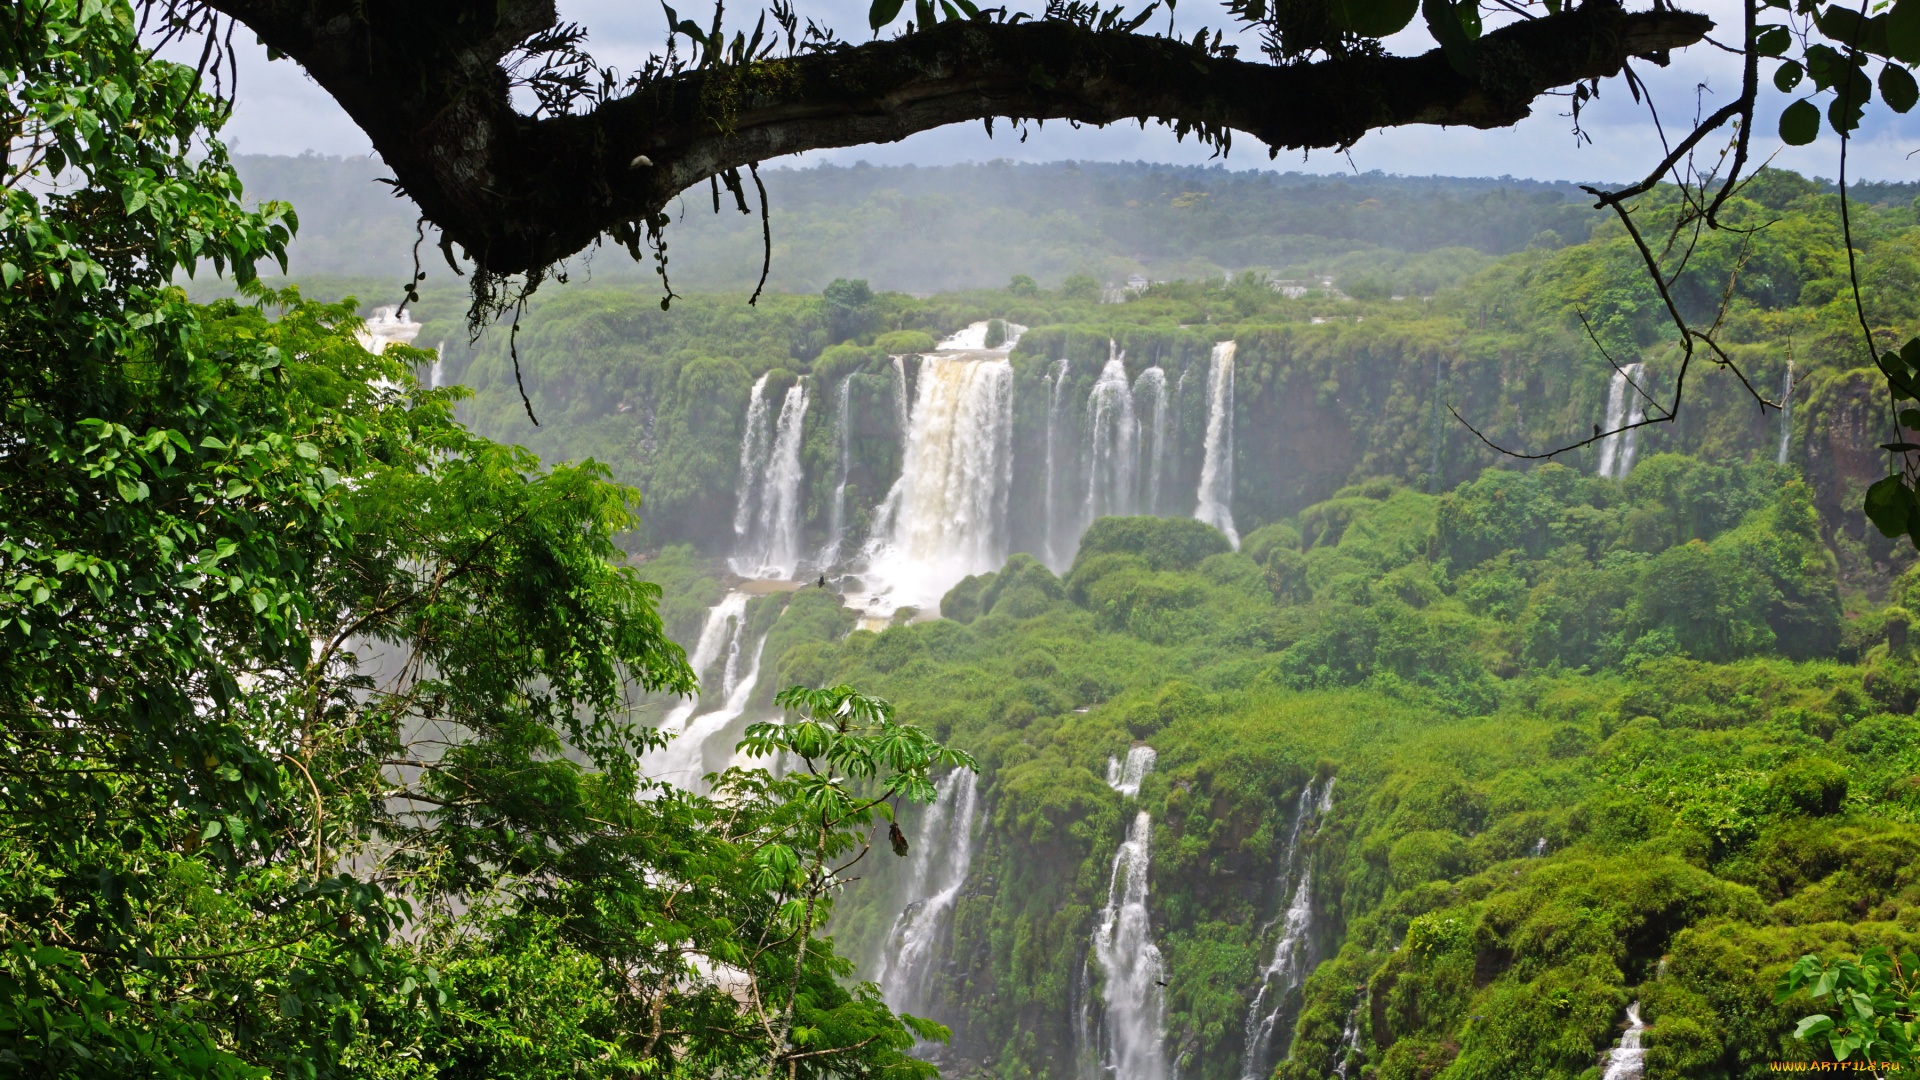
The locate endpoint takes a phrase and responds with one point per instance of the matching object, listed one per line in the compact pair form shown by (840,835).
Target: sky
(281,111)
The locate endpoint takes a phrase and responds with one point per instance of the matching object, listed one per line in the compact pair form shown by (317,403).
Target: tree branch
(424,81)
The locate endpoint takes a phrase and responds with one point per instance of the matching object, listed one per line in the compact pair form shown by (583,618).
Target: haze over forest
(1405,758)
(1079,620)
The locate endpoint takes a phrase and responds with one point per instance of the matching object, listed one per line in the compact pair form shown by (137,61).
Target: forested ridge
(338,684)
(1589,740)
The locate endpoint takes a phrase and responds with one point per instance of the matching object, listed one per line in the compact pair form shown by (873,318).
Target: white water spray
(946,516)
(753,455)
(717,660)
(1216,469)
(770,546)
(1055,419)
(943,853)
(1291,959)
(1350,1038)
(1125,777)
(1150,396)
(1131,1039)
(1628,1061)
(1113,443)
(837,512)
(1786,415)
(1624,406)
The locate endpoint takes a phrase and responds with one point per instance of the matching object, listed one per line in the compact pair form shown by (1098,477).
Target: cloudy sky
(280,111)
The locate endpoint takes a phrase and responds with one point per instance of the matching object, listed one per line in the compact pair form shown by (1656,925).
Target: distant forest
(939,229)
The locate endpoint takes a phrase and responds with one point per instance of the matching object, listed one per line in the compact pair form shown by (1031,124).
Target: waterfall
(1113,443)
(437,371)
(1216,470)
(943,852)
(946,516)
(1350,1036)
(837,511)
(1628,1061)
(1786,414)
(682,762)
(1055,406)
(1291,959)
(753,451)
(770,546)
(1153,384)
(1625,406)
(900,403)
(1130,1044)
(1125,777)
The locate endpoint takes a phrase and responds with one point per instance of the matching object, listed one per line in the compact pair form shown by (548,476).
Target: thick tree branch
(424,81)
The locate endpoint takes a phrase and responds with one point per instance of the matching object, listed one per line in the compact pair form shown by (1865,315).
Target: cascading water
(1216,469)
(901,406)
(720,652)
(1786,414)
(1291,956)
(1113,443)
(1056,405)
(1150,395)
(770,546)
(942,855)
(829,554)
(437,371)
(753,456)
(1624,406)
(1350,1039)
(684,762)
(946,516)
(1129,1043)
(1628,1061)
(1125,777)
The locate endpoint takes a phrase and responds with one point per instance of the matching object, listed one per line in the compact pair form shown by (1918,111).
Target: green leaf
(1890,506)
(1443,22)
(1788,76)
(883,12)
(1772,41)
(1897,88)
(1910,418)
(1843,114)
(1903,31)
(1800,122)
(1372,18)
(1817,1024)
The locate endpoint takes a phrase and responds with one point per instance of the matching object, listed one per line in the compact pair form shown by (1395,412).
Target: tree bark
(425,81)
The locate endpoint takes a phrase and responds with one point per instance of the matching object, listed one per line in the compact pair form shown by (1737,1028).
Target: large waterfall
(837,512)
(1129,1042)
(1216,469)
(1625,406)
(1050,507)
(1113,444)
(1150,395)
(766,521)
(1292,955)
(943,852)
(946,516)
(724,661)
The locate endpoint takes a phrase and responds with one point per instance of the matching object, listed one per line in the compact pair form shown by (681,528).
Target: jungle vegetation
(318,706)
(317,756)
